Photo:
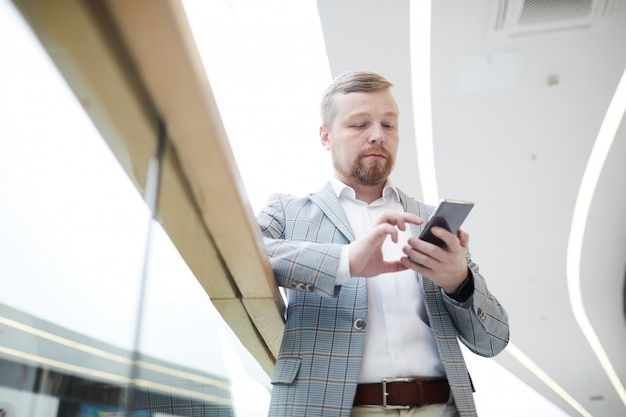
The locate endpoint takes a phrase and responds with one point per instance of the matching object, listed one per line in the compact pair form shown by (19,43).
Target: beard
(370,172)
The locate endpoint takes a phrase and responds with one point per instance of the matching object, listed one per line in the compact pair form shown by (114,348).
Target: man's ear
(325,137)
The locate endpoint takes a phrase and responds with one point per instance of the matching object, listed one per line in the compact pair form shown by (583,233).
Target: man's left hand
(446,266)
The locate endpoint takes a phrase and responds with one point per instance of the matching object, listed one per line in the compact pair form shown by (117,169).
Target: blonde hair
(349,82)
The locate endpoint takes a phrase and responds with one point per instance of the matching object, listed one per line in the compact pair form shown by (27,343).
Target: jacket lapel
(327,201)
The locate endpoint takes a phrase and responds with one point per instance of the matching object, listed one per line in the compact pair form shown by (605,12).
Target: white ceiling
(515,118)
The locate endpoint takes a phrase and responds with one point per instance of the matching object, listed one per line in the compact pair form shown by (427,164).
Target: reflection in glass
(73,233)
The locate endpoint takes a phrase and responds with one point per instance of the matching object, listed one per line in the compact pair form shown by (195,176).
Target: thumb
(463,237)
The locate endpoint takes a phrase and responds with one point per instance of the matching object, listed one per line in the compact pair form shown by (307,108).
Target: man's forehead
(366,102)
(378,96)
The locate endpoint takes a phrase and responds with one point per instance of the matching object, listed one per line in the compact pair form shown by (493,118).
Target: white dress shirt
(398,339)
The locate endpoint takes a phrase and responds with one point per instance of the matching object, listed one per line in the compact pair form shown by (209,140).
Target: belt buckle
(386,394)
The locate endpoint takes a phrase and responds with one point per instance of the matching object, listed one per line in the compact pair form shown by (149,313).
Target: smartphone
(449,214)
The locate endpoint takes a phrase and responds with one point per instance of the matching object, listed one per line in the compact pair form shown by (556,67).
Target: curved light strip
(420,40)
(539,373)
(113,377)
(598,155)
(111,356)
(419,27)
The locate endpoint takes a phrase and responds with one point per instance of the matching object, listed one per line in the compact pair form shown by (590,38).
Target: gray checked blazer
(320,356)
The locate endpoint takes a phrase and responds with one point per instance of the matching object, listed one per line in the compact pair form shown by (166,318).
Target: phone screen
(449,214)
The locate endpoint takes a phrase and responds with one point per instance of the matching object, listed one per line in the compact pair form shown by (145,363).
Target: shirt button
(359,324)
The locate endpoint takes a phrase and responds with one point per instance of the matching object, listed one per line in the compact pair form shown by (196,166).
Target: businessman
(374,314)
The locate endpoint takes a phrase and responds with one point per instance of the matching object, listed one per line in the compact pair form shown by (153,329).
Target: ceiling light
(545,378)
(598,155)
(420,12)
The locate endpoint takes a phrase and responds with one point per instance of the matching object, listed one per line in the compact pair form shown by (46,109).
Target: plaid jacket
(320,356)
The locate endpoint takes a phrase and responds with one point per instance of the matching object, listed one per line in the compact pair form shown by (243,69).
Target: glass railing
(74,247)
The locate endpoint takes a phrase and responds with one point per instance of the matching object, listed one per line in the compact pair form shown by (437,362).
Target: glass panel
(73,237)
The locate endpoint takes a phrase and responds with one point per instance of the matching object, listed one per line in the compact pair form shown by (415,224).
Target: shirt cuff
(343,270)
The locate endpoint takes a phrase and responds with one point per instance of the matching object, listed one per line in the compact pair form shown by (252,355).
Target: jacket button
(359,324)
(310,287)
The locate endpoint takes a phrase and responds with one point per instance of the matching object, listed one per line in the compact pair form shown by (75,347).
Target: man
(373,313)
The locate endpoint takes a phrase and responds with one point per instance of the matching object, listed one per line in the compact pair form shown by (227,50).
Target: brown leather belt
(403,392)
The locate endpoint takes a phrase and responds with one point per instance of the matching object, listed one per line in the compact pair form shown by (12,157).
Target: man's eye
(360,125)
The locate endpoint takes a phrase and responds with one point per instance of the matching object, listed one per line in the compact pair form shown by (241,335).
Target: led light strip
(597,158)
(420,40)
(545,378)
(111,356)
(112,377)
(422,110)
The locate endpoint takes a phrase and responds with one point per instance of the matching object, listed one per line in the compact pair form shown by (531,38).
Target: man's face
(363,139)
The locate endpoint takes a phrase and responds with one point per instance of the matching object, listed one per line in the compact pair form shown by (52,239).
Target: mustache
(375,150)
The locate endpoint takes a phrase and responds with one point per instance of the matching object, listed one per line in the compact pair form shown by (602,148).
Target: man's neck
(366,193)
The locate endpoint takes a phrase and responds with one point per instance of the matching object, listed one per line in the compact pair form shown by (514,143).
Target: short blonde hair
(349,82)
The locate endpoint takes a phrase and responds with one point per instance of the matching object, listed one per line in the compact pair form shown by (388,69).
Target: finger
(398,219)
(443,234)
(419,257)
(379,233)
(395,266)
(412,218)
(463,238)
(394,235)
(422,246)
(409,263)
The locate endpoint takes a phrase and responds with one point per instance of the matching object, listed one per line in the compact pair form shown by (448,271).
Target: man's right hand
(366,255)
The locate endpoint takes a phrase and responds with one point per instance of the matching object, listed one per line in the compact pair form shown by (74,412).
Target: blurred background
(516,105)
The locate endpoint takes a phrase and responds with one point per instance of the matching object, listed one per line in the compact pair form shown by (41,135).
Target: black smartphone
(449,214)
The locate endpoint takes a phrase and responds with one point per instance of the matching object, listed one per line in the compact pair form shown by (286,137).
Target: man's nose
(377,135)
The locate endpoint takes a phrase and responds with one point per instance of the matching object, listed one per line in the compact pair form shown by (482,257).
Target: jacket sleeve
(297,262)
(482,323)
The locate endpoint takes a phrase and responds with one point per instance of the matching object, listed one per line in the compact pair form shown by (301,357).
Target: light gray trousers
(432,410)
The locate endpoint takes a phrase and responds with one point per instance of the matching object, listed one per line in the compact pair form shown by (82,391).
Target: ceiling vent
(524,19)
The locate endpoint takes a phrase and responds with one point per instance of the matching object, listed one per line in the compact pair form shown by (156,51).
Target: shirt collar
(341,189)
